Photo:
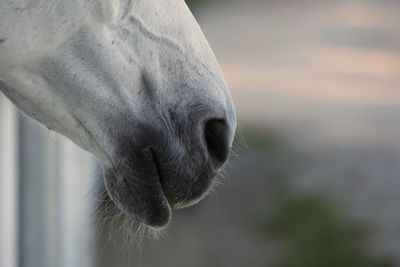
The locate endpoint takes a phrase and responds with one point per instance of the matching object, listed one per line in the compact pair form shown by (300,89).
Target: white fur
(67,63)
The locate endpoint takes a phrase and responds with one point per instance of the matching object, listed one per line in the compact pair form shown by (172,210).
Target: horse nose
(217,135)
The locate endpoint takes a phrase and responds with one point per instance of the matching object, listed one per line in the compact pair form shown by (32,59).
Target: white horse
(132,81)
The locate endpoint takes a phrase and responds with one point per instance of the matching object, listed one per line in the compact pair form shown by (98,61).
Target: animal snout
(217,134)
(191,155)
(172,164)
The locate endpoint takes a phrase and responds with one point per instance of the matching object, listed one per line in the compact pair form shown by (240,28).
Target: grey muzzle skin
(170,165)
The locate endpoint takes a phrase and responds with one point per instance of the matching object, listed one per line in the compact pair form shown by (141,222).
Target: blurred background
(315,177)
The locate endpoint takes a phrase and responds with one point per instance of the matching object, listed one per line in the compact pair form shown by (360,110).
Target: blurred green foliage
(258,141)
(314,234)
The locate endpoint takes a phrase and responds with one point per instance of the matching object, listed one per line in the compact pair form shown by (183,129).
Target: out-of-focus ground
(322,80)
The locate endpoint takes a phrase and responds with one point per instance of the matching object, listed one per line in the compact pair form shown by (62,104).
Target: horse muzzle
(168,163)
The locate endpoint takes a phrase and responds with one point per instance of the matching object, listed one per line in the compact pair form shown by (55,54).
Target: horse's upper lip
(173,203)
(160,176)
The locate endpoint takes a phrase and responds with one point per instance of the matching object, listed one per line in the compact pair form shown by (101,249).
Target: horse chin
(139,195)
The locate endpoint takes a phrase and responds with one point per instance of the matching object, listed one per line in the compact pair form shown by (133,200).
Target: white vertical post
(8,185)
(76,176)
(45,208)
(37,203)
(56,209)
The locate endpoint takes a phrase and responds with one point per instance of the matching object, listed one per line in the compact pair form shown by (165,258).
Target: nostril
(217,139)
